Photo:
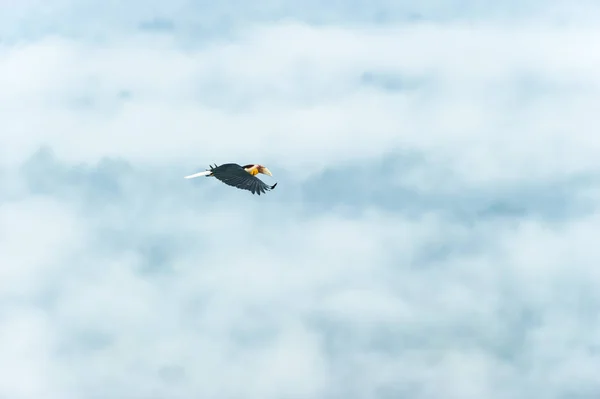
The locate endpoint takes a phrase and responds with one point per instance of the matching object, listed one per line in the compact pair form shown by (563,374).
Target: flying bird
(242,177)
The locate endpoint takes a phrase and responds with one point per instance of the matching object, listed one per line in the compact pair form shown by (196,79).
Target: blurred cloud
(300,91)
(431,235)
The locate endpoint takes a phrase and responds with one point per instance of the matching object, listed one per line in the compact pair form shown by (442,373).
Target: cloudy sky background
(433,233)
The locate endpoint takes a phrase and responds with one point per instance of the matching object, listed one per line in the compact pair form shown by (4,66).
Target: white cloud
(290,94)
(297,307)
(27,342)
(36,234)
(162,287)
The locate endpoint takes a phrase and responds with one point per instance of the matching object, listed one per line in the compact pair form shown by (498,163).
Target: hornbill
(243,177)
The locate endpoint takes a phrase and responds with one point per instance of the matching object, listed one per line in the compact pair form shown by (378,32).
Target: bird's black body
(235,175)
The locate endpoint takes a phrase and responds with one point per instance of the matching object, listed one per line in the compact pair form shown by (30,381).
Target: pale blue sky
(432,235)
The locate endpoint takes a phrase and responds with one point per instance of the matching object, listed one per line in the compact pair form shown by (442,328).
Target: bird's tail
(205,173)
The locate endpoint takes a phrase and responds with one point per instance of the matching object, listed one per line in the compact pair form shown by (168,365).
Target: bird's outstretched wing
(234,175)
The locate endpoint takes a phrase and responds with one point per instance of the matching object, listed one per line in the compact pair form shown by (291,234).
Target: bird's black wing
(234,175)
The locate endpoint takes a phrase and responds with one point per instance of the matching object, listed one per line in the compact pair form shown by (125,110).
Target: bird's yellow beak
(266,171)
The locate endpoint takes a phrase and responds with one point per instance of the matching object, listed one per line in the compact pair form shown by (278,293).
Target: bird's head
(255,169)
(264,170)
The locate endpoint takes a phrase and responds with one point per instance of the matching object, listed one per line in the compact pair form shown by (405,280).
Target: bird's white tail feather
(205,173)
